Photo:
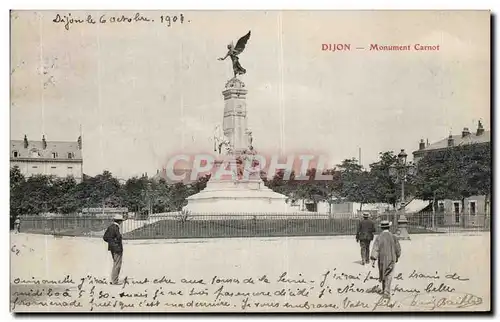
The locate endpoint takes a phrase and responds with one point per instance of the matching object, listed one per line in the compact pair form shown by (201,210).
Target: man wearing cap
(364,236)
(386,250)
(114,239)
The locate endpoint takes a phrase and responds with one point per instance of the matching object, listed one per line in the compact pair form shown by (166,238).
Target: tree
(63,193)
(331,189)
(37,195)
(178,193)
(16,177)
(134,191)
(283,183)
(105,190)
(17,181)
(200,183)
(160,196)
(384,187)
(356,185)
(455,173)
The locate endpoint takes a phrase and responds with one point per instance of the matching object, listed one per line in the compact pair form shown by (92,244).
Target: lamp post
(400,171)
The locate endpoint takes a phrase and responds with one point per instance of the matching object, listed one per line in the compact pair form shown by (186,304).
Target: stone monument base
(246,196)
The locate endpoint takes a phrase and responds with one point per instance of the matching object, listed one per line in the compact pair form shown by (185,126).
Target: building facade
(474,208)
(58,158)
(473,213)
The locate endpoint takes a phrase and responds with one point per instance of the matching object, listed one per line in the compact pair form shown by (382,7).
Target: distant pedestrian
(364,237)
(17,225)
(114,239)
(386,250)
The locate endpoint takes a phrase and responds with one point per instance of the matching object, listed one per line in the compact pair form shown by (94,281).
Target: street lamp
(400,171)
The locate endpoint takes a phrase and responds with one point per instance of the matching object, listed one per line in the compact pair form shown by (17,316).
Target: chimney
(79,141)
(26,142)
(44,143)
(450,141)
(465,132)
(421,146)
(480,129)
(157,171)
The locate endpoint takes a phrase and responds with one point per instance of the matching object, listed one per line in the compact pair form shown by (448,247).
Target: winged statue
(234,51)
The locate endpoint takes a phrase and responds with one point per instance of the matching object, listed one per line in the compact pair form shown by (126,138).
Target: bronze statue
(234,51)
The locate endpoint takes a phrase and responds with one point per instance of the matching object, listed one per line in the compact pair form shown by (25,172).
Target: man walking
(364,237)
(386,250)
(114,239)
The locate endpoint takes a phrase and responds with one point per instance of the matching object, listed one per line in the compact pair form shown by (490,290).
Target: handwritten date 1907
(68,20)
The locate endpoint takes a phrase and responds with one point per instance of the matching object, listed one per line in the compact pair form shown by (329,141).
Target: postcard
(250,161)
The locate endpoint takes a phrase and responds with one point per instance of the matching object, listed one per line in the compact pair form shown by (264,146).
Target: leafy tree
(17,181)
(105,190)
(16,177)
(178,193)
(455,173)
(63,192)
(134,193)
(160,196)
(38,197)
(200,183)
(384,187)
(281,183)
(355,185)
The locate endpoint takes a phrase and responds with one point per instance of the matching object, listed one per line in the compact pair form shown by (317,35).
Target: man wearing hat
(114,239)
(386,250)
(364,237)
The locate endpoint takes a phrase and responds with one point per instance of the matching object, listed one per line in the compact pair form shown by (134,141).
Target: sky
(142,92)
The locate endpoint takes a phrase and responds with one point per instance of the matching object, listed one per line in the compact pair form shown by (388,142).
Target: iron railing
(186,225)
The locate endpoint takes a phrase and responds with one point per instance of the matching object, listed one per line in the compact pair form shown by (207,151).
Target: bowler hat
(118,218)
(366,215)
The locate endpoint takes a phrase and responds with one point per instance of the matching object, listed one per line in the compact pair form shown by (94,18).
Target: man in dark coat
(387,250)
(114,239)
(364,237)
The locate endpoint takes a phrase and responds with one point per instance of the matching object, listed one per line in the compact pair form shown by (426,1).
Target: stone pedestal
(402,231)
(231,194)
(237,197)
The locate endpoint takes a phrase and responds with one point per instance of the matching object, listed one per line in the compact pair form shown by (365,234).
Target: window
(52,167)
(15,154)
(70,155)
(34,167)
(456,210)
(54,155)
(69,168)
(472,208)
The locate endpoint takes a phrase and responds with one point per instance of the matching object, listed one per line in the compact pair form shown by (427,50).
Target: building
(57,158)
(475,208)
(479,137)
(340,208)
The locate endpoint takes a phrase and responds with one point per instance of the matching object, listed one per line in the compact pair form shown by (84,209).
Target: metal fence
(182,225)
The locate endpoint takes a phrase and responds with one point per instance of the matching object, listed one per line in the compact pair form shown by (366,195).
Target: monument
(242,191)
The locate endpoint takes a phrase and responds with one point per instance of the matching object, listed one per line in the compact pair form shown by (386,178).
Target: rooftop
(466,137)
(58,150)
(459,140)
